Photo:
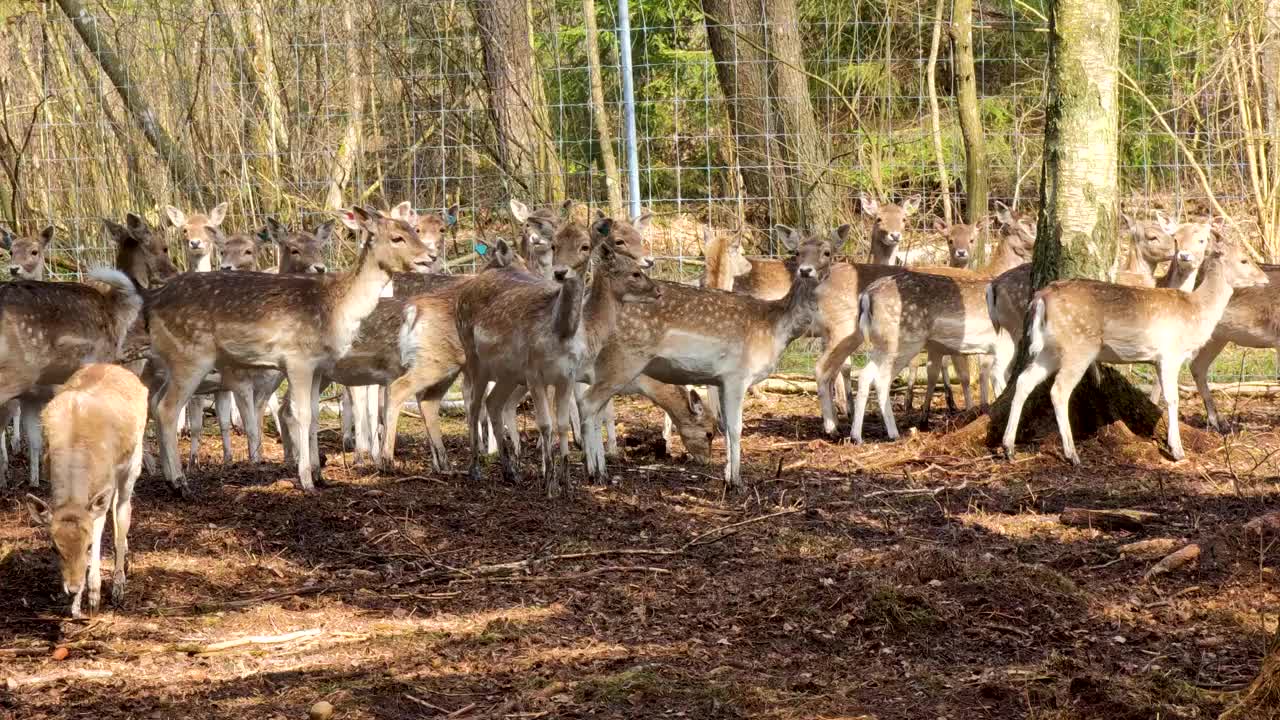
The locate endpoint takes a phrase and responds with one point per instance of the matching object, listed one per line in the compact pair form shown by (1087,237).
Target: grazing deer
(301,324)
(517,330)
(48,330)
(902,315)
(1075,323)
(700,336)
(888,225)
(94,428)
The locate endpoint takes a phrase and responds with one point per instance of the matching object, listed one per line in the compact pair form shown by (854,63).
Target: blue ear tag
(482,249)
(264,235)
(450,219)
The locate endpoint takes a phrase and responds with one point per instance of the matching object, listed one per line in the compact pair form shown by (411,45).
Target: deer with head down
(94,428)
(1075,323)
(301,324)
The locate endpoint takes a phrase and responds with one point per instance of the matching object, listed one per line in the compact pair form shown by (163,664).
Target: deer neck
(794,313)
(566,316)
(354,296)
(203,263)
(599,312)
(1181,277)
(1003,259)
(882,254)
(718,269)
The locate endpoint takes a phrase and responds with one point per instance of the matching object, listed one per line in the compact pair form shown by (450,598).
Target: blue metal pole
(629,107)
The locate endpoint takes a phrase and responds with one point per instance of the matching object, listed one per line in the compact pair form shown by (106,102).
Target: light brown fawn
(700,336)
(1075,323)
(298,323)
(888,227)
(26,254)
(93,429)
(1150,243)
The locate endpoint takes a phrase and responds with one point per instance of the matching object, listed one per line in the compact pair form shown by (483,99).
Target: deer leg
(984,380)
(592,403)
(1200,365)
(30,415)
(195,428)
(564,401)
(473,393)
(542,418)
(302,390)
(1064,384)
(1002,362)
(890,366)
(223,406)
(175,397)
(961,364)
(495,403)
(1157,387)
(829,365)
(1169,379)
(95,564)
(865,379)
(347,412)
(121,519)
(16,425)
(610,430)
(912,372)
(934,365)
(575,420)
(1040,367)
(732,394)
(397,392)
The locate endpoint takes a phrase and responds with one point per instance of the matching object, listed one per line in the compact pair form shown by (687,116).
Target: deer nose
(14,270)
(894,237)
(195,244)
(317,268)
(648,262)
(806,271)
(1184,256)
(962,253)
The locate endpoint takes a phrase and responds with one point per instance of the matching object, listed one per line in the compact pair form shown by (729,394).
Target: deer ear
(601,228)
(273,230)
(176,216)
(451,215)
(38,510)
(696,408)
(6,238)
(641,223)
(567,207)
(324,233)
(842,232)
(787,235)
(135,223)
(404,211)
(911,205)
(940,226)
(354,219)
(519,210)
(607,254)
(116,230)
(218,214)
(46,237)
(97,505)
(870,206)
(1003,213)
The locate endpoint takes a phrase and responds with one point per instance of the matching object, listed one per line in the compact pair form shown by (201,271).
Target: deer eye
(397,240)
(636,275)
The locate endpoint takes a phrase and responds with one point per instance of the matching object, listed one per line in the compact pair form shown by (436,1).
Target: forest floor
(917,580)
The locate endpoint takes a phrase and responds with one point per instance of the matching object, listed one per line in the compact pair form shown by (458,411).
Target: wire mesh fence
(748,112)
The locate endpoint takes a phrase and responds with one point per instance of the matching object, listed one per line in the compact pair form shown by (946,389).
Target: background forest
(749,112)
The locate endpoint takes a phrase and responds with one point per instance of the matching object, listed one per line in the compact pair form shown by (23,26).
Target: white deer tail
(864,315)
(408,335)
(1037,326)
(118,282)
(991,307)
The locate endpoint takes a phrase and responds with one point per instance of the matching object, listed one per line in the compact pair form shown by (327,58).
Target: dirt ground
(907,581)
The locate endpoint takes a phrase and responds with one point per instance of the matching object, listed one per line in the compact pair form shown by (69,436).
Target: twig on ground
(918,491)
(13,683)
(249,640)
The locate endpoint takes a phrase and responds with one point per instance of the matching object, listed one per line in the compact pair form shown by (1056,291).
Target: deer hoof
(117,593)
(182,489)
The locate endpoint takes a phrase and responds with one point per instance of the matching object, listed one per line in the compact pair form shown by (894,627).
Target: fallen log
(1106,519)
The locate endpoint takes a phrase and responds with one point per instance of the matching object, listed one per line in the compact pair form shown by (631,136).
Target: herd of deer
(571,320)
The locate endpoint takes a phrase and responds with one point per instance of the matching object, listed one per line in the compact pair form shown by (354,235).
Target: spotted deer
(888,227)
(1075,323)
(698,336)
(26,262)
(520,330)
(49,330)
(1249,321)
(93,429)
(301,324)
(1150,243)
(240,251)
(1191,247)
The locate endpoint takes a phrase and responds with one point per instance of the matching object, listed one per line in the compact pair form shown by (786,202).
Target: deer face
(200,233)
(623,236)
(1152,239)
(302,251)
(1018,228)
(141,252)
(1191,243)
(889,221)
(71,528)
(239,252)
(698,432)
(960,240)
(572,245)
(26,255)
(739,264)
(813,254)
(394,244)
(430,230)
(1240,270)
(626,276)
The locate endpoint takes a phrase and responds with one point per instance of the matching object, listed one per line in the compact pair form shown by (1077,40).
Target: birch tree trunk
(812,196)
(1079,204)
(975,145)
(177,161)
(935,115)
(517,100)
(600,112)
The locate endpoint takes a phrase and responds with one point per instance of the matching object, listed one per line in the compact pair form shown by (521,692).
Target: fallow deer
(297,323)
(240,251)
(1077,322)
(1249,321)
(888,226)
(1191,247)
(707,337)
(517,331)
(94,428)
(26,262)
(48,330)
(1150,243)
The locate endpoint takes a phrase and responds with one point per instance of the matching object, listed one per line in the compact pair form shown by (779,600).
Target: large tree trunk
(600,112)
(975,146)
(517,100)
(175,158)
(935,115)
(343,168)
(812,200)
(735,33)
(1079,202)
